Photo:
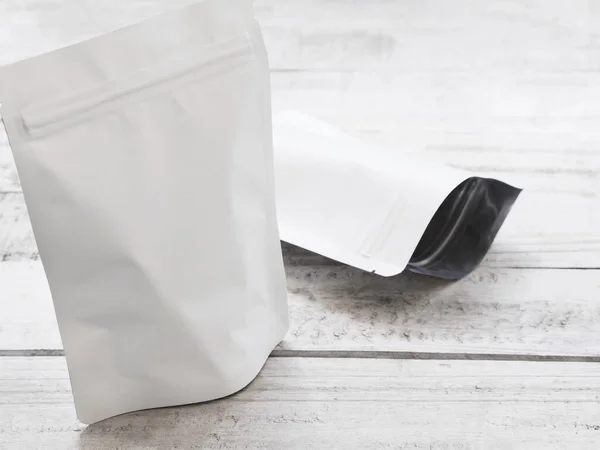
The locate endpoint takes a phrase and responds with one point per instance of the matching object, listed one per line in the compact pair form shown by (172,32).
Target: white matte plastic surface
(145,157)
(351,201)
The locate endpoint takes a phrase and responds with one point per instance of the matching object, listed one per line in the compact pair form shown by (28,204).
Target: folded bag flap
(86,65)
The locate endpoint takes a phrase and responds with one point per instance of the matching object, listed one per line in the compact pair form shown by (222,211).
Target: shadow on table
(334,307)
(306,265)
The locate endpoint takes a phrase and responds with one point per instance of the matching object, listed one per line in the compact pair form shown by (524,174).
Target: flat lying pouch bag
(146,162)
(379,210)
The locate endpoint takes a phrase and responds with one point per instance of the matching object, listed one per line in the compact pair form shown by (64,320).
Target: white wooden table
(508,358)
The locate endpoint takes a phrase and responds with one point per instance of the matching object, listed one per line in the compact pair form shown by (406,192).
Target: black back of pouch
(463,228)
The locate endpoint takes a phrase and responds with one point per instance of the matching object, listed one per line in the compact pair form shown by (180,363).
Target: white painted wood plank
(492,86)
(532,112)
(16,236)
(527,35)
(500,311)
(327,403)
(9,180)
(513,83)
(432,35)
(544,229)
(514,312)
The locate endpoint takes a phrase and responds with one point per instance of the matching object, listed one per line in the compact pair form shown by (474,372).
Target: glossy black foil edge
(463,228)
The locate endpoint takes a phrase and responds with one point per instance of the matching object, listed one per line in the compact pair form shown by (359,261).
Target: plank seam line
(369,354)
(374,354)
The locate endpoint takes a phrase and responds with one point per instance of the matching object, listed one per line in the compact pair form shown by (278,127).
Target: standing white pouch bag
(145,157)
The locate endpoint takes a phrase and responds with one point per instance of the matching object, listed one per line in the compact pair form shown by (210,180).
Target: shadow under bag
(145,157)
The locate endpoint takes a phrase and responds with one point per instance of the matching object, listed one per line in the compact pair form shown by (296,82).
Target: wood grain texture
(340,309)
(468,35)
(16,236)
(327,403)
(527,35)
(9,180)
(505,87)
(548,117)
